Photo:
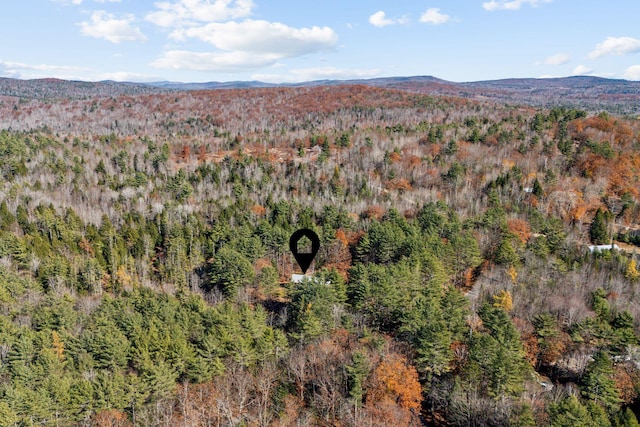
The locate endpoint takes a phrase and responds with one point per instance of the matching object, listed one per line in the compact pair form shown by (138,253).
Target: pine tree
(230,270)
(433,341)
(598,384)
(8,417)
(506,254)
(357,373)
(500,353)
(627,419)
(598,231)
(6,217)
(522,417)
(537,189)
(569,412)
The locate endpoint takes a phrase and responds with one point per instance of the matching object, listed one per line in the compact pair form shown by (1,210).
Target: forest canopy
(145,271)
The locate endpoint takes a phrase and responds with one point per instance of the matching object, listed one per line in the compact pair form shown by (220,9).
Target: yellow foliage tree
(513,274)
(503,300)
(58,345)
(122,277)
(632,271)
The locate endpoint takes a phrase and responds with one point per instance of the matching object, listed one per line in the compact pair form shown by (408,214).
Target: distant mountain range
(591,93)
(50,89)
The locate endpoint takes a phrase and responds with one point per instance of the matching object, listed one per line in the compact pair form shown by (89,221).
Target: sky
(280,41)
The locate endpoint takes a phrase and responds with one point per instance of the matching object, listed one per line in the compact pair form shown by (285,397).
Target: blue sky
(291,41)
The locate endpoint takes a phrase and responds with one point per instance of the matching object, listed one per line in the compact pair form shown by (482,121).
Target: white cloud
(379,19)
(21,70)
(213,61)
(106,26)
(238,45)
(582,70)
(262,37)
(433,16)
(188,12)
(79,2)
(68,2)
(632,73)
(615,46)
(511,4)
(558,59)
(246,45)
(124,76)
(318,73)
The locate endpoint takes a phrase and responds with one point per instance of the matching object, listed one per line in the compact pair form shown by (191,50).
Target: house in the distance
(600,248)
(299,278)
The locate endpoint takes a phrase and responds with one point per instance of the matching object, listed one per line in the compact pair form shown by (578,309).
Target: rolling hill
(587,92)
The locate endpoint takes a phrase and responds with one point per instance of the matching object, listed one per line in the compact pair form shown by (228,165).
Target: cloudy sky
(291,41)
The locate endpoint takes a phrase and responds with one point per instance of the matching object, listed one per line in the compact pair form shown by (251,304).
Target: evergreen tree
(230,270)
(537,189)
(598,415)
(598,384)
(6,217)
(312,303)
(499,353)
(598,231)
(522,417)
(626,418)
(569,412)
(505,253)
(357,373)
(8,417)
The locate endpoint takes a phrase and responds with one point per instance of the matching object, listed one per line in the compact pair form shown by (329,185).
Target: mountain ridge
(588,92)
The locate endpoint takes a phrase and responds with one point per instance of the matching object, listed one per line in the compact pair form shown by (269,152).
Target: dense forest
(146,277)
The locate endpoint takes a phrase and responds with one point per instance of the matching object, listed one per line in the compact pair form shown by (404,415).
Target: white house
(600,248)
(299,278)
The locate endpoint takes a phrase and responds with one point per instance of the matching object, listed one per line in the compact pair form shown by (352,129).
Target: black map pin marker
(304,258)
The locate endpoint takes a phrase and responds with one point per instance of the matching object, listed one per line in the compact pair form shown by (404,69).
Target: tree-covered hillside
(145,272)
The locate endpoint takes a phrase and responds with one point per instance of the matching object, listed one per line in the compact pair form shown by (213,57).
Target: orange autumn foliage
(531,350)
(624,174)
(86,246)
(591,164)
(202,153)
(374,212)
(600,123)
(626,378)
(262,263)
(401,184)
(413,162)
(111,418)
(553,349)
(395,380)
(520,228)
(623,134)
(258,210)
(342,236)
(578,212)
(185,153)
(576,126)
